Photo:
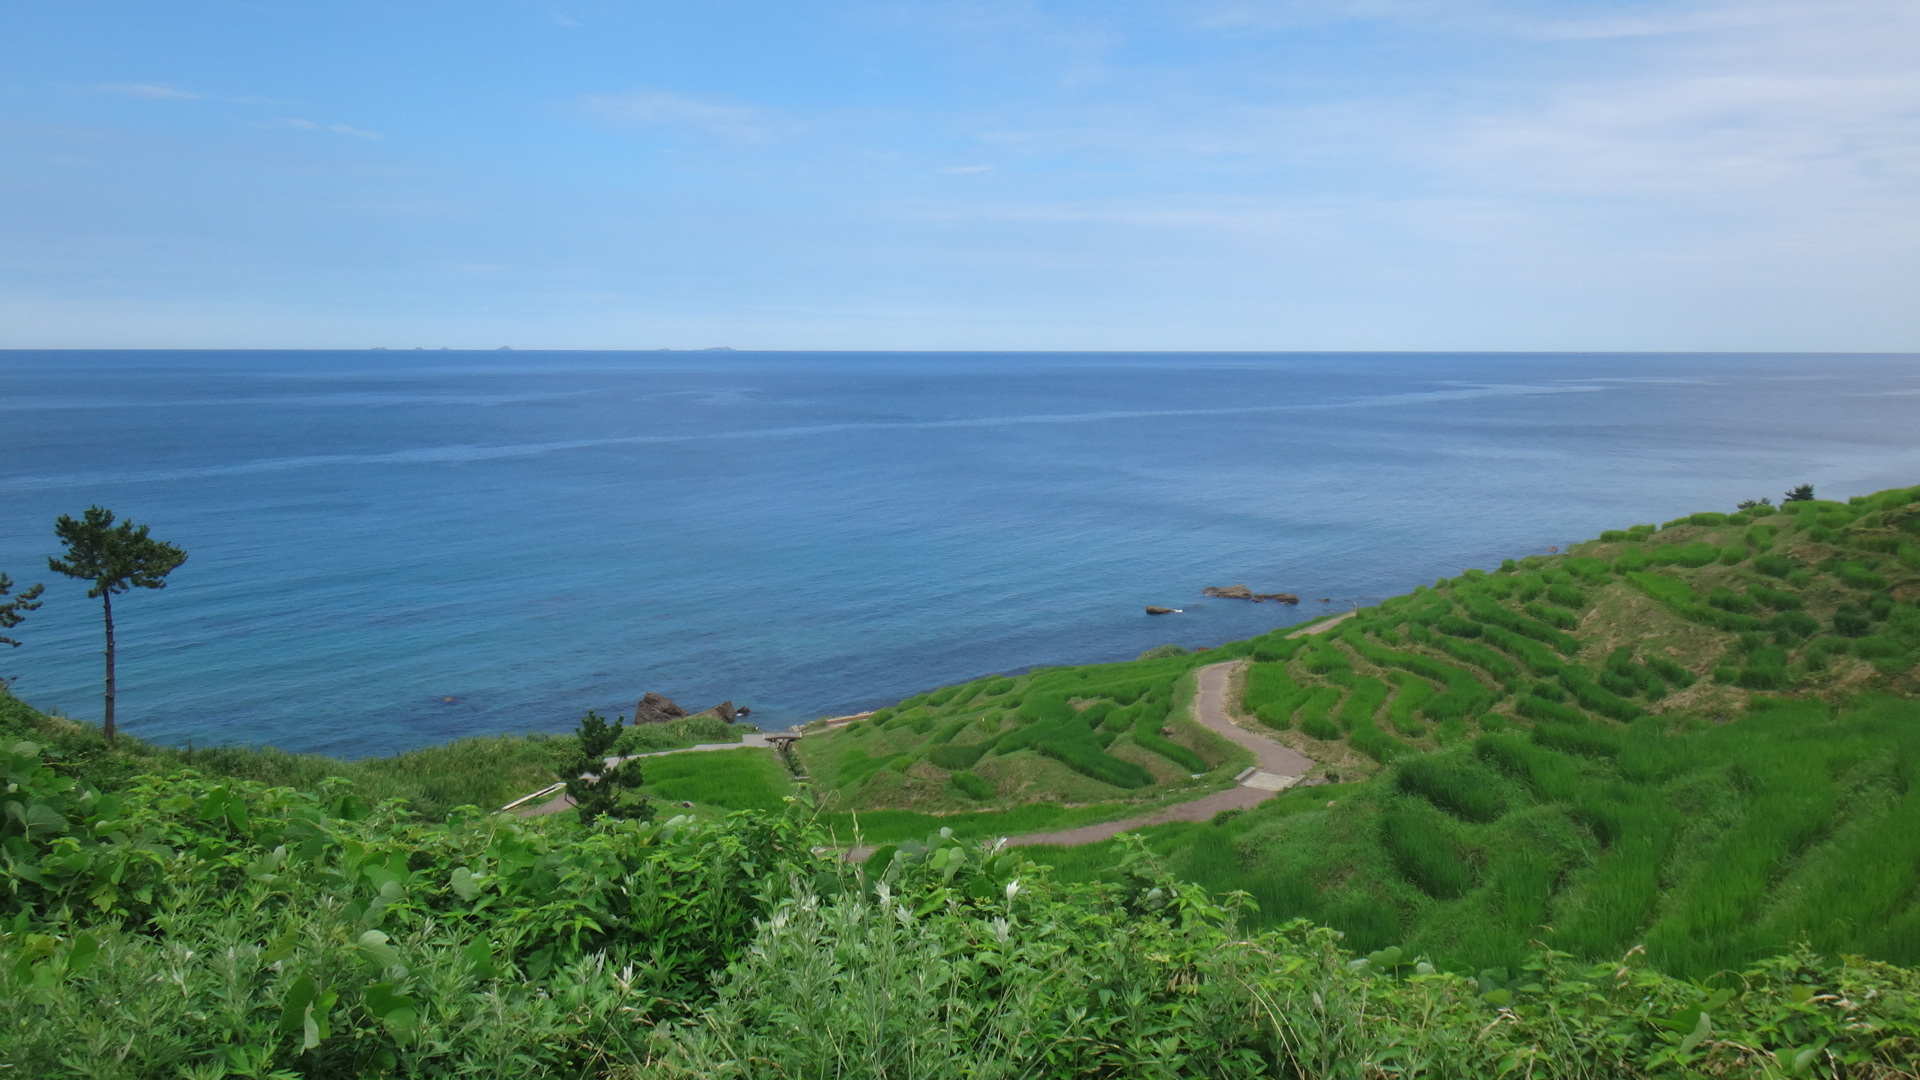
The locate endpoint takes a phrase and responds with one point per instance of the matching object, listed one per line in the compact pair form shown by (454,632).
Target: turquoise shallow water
(391,549)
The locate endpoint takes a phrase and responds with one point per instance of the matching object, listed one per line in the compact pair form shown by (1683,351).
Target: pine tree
(598,789)
(114,558)
(13,612)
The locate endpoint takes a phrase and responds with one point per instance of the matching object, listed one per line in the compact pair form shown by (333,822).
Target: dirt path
(1279,768)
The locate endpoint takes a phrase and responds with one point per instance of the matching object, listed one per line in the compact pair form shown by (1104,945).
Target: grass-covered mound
(180,926)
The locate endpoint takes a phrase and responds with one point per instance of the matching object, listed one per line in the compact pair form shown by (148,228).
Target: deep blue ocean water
(391,549)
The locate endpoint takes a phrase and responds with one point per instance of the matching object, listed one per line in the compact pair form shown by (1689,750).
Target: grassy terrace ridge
(1645,809)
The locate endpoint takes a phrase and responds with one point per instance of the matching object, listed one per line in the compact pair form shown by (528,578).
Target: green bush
(1727,600)
(1851,622)
(972,785)
(1454,784)
(1494,615)
(1424,851)
(1089,760)
(1793,625)
(1536,707)
(1673,673)
(1481,657)
(1777,599)
(1537,657)
(1404,712)
(1632,560)
(1366,737)
(1146,733)
(1559,618)
(1161,652)
(1778,566)
(1567,596)
(1860,577)
(1597,698)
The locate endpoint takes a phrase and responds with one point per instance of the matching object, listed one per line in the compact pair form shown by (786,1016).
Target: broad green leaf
(375,948)
(464,885)
(85,950)
(1701,1030)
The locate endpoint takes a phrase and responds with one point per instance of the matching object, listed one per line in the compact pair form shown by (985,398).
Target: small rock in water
(1228,592)
(1151,610)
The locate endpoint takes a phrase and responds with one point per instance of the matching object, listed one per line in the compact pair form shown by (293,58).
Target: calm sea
(391,549)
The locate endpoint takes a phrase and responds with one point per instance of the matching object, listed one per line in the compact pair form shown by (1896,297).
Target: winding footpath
(1278,767)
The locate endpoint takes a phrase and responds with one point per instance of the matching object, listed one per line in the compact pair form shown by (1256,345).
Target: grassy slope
(1735,781)
(487,771)
(1054,748)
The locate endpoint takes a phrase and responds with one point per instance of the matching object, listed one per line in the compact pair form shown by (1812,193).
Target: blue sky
(1220,174)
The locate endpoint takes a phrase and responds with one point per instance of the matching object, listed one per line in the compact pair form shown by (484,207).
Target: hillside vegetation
(1643,810)
(1698,739)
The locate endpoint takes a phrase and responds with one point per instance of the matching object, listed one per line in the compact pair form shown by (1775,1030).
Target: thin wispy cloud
(962,169)
(739,122)
(147,90)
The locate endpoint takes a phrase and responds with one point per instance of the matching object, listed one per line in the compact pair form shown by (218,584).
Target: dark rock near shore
(656,709)
(1151,610)
(1241,592)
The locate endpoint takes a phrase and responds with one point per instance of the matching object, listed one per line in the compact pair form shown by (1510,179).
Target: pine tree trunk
(107,599)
